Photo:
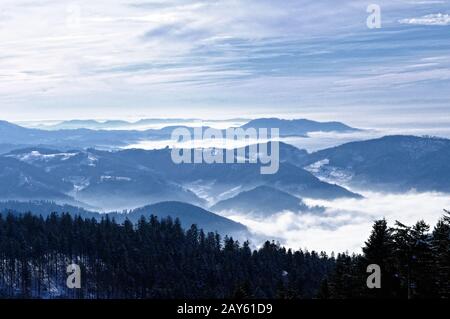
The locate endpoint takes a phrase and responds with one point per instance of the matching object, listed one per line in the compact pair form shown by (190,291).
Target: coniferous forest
(158,259)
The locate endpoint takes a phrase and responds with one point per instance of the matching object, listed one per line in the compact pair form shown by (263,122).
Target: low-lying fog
(346,223)
(315,141)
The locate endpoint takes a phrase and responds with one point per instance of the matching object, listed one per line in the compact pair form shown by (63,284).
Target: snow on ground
(34,156)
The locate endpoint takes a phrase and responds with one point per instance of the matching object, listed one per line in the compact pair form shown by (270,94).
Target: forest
(158,259)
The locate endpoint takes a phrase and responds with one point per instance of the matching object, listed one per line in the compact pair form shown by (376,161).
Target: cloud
(429,19)
(346,223)
(142,56)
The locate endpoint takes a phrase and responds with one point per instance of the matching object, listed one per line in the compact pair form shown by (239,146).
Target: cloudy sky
(224,58)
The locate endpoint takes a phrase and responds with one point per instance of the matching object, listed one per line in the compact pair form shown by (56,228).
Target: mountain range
(121,124)
(131,178)
(99,179)
(72,134)
(55,166)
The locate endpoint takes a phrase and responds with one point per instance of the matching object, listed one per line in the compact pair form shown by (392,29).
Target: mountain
(288,153)
(132,178)
(7,128)
(121,124)
(392,163)
(300,182)
(104,179)
(76,124)
(186,213)
(75,138)
(262,201)
(15,134)
(121,192)
(19,180)
(215,182)
(220,181)
(80,138)
(299,127)
(112,124)
(6,148)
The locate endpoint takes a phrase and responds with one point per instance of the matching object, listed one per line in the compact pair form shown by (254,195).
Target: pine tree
(379,250)
(414,258)
(440,246)
(422,262)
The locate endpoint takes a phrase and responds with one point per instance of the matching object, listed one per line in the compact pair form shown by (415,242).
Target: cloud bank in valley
(346,223)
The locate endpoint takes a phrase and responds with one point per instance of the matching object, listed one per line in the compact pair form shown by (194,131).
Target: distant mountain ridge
(186,213)
(115,124)
(299,127)
(391,163)
(91,133)
(110,124)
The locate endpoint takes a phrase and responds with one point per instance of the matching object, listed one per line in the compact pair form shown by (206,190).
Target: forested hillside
(414,262)
(158,259)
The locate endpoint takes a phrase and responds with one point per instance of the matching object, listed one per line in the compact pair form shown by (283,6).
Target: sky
(132,59)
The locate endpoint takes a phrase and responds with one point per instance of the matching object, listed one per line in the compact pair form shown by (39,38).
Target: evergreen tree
(440,246)
(158,259)
(379,250)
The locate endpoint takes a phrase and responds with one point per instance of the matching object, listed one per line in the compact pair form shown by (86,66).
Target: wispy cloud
(429,19)
(105,55)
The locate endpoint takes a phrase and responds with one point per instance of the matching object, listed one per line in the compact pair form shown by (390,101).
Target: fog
(346,223)
(314,142)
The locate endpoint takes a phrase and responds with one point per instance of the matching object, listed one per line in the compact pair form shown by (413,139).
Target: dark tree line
(152,259)
(414,263)
(158,259)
